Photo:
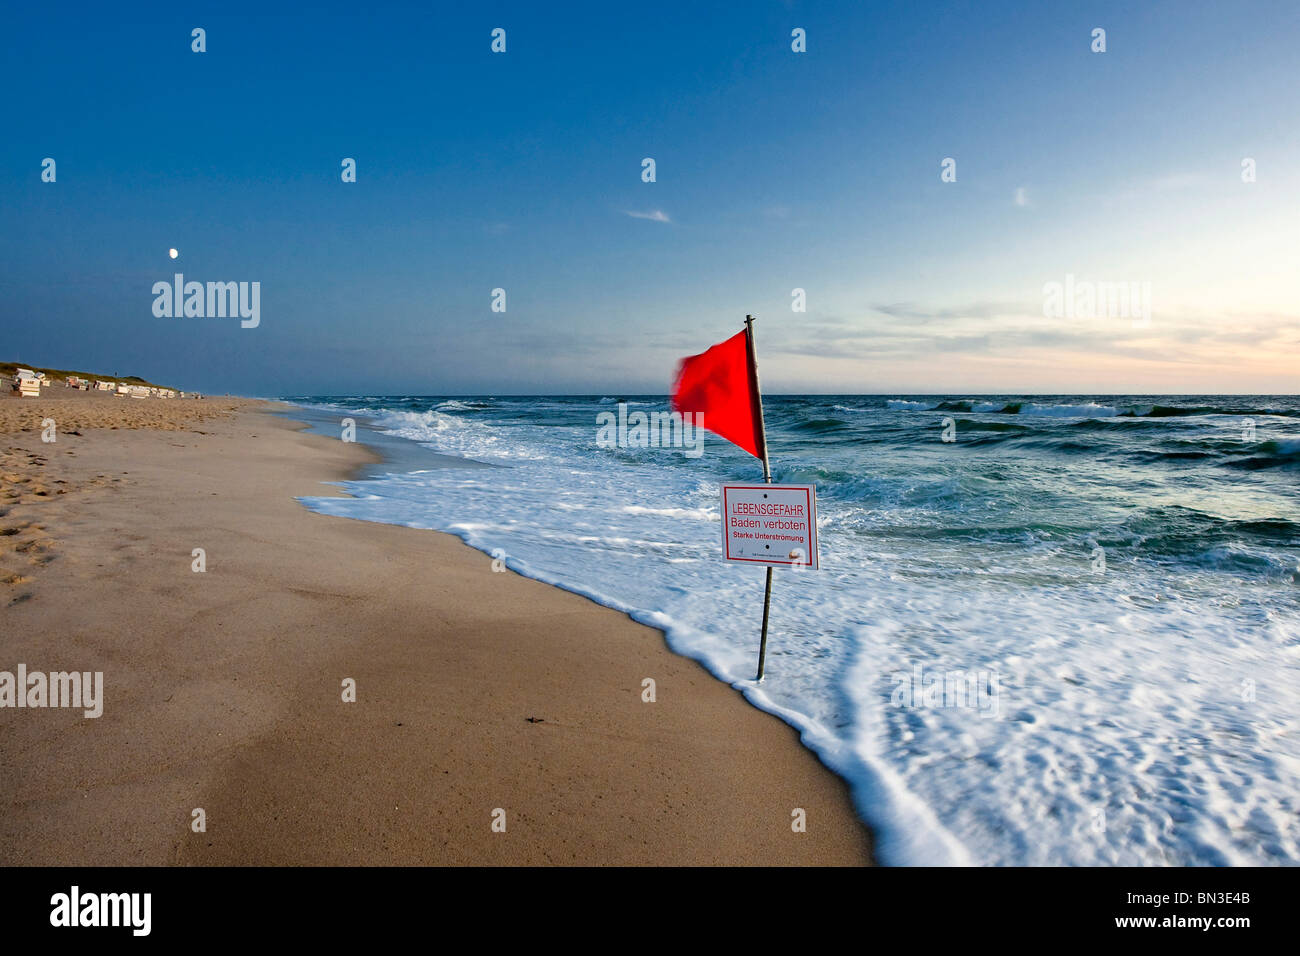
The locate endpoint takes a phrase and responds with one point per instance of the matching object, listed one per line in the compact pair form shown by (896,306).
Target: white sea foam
(453,435)
(1085,410)
(704,514)
(1088,410)
(1145,715)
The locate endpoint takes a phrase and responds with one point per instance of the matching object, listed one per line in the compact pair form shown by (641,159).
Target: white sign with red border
(775,525)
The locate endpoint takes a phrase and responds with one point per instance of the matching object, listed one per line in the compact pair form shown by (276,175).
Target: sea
(1045,629)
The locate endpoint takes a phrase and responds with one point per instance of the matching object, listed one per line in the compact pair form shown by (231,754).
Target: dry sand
(223,689)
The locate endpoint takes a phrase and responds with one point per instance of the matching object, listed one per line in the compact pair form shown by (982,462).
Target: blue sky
(775,170)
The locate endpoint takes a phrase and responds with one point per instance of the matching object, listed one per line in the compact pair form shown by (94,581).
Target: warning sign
(774,525)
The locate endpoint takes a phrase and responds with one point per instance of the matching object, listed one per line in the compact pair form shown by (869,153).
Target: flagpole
(758,394)
(767,477)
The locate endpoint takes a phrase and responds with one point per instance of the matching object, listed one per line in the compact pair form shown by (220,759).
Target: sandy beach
(476,691)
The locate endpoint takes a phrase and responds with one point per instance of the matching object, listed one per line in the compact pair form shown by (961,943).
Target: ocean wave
(1159,456)
(1276,454)
(819,425)
(1185,411)
(1088,410)
(983,425)
(1234,558)
(457,405)
(1078,410)
(456,435)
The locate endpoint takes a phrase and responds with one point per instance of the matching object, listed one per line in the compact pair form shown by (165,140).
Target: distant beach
(476,691)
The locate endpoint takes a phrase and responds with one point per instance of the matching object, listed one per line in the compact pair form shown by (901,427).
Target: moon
(173,253)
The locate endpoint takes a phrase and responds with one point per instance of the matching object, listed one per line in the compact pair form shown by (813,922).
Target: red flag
(722,385)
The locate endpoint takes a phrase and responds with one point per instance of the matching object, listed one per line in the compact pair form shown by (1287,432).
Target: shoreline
(862,782)
(225,694)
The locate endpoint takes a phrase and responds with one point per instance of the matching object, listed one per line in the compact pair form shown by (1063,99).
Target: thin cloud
(657,215)
(975,310)
(1001,331)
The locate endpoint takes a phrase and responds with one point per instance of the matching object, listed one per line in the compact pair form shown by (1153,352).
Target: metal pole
(758,393)
(767,477)
(762,644)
